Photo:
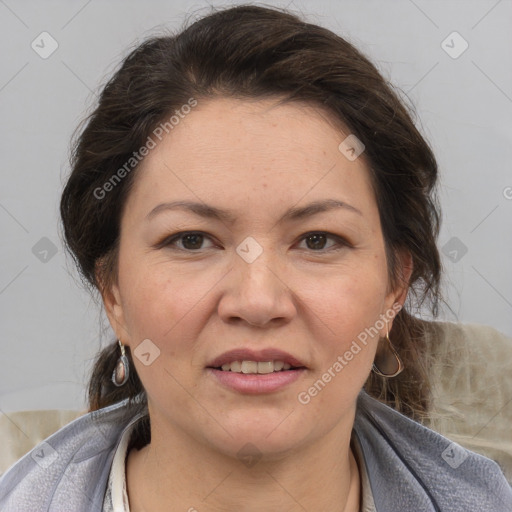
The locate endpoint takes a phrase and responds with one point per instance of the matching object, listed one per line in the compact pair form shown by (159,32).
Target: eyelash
(169,241)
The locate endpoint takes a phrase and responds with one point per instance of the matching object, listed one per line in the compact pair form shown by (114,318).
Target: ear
(398,295)
(405,268)
(112,301)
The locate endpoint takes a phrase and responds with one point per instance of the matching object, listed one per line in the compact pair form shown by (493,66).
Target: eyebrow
(211,212)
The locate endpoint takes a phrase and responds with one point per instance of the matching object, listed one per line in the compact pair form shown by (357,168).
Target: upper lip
(243,354)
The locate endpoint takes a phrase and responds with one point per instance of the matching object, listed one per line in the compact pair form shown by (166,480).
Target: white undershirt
(116,496)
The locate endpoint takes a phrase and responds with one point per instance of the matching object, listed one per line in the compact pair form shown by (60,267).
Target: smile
(252,382)
(259,367)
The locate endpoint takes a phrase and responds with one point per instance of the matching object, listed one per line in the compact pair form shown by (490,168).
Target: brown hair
(252,52)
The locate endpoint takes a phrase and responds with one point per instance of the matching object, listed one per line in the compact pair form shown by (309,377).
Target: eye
(190,240)
(316,241)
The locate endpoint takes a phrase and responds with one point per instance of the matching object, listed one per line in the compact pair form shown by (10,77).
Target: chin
(252,450)
(271,434)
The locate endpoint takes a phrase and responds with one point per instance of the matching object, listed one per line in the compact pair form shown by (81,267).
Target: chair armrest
(471,378)
(21,431)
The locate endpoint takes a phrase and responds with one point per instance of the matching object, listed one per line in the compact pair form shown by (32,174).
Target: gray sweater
(410,467)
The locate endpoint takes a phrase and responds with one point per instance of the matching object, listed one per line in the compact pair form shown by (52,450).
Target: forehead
(257,151)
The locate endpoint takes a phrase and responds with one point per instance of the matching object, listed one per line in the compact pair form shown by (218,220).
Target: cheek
(348,309)
(159,302)
(166,310)
(348,300)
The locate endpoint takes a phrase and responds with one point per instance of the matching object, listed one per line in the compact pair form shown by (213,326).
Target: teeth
(255,367)
(236,366)
(249,367)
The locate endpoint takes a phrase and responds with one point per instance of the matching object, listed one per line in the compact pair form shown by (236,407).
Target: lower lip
(256,383)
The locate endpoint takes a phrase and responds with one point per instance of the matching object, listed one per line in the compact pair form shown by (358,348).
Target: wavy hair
(252,52)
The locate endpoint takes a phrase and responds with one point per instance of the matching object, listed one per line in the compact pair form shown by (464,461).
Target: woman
(254,205)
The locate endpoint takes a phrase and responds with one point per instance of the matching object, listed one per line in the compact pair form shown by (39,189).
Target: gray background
(50,327)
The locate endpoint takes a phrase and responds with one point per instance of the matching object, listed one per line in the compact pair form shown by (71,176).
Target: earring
(122,370)
(399,363)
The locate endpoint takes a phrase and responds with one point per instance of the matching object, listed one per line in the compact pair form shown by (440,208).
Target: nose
(257,293)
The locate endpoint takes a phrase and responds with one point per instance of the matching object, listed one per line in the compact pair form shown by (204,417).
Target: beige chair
(472,387)
(471,376)
(21,431)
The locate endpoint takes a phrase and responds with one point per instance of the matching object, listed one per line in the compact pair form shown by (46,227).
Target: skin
(258,160)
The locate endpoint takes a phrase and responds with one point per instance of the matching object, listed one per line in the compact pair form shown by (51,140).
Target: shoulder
(70,469)
(411,467)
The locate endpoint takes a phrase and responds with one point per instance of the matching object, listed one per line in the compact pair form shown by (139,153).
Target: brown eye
(192,241)
(185,241)
(317,241)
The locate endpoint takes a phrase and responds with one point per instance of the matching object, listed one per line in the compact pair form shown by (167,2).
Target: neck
(174,473)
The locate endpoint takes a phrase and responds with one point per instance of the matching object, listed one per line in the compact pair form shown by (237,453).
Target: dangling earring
(122,370)
(399,363)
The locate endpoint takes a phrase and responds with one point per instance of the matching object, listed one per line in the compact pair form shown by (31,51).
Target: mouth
(255,372)
(248,361)
(257,367)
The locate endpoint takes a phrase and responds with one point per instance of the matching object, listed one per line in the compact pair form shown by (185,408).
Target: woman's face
(280,275)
